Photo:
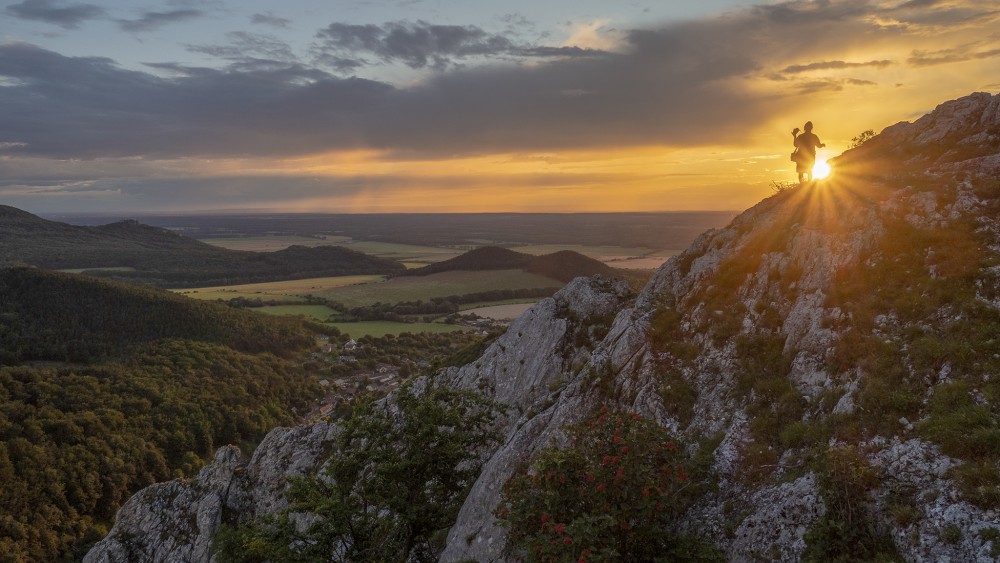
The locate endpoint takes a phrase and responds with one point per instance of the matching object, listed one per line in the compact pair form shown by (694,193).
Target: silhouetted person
(805,151)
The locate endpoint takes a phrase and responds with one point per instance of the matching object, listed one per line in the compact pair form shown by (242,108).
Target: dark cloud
(155,20)
(416,45)
(421,44)
(68,16)
(953,55)
(269,19)
(244,46)
(832,65)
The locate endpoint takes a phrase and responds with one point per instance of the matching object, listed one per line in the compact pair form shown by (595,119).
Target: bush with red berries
(611,496)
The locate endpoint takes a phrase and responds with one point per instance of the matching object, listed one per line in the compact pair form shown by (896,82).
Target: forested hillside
(68,317)
(131,250)
(157,383)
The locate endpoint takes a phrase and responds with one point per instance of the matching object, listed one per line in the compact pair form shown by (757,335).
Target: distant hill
(563,265)
(133,251)
(567,264)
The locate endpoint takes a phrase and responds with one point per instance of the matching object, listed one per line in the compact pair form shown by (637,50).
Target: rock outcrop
(823,318)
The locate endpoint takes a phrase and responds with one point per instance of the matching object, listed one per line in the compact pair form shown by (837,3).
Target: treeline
(75,443)
(66,317)
(219,266)
(436,306)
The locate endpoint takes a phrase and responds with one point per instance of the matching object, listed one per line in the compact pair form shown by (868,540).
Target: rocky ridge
(755,329)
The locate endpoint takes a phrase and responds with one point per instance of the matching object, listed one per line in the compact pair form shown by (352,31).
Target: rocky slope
(855,320)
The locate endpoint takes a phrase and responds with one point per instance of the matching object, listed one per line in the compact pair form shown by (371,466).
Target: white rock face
(777,266)
(176,521)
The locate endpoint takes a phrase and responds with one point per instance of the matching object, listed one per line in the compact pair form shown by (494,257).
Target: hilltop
(563,265)
(829,361)
(133,251)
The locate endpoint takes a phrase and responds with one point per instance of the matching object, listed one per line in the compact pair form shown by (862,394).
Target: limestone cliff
(857,314)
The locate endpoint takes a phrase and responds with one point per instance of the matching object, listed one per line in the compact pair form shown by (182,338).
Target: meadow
(316,312)
(505,312)
(271,243)
(378,329)
(361,291)
(287,290)
(444,284)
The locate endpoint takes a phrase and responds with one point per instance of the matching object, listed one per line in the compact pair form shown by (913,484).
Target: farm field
(319,313)
(443,284)
(111,269)
(381,328)
(506,312)
(422,255)
(270,243)
(288,290)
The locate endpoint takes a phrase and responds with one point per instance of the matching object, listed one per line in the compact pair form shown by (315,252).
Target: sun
(821,169)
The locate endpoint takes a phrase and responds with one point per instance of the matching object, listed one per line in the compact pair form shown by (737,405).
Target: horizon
(438,106)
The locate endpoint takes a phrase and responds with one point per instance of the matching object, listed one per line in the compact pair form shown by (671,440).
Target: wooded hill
(563,265)
(133,251)
(67,317)
(157,383)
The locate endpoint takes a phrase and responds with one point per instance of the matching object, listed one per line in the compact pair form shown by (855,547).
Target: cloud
(269,19)
(832,65)
(958,54)
(691,83)
(67,16)
(420,44)
(244,46)
(154,20)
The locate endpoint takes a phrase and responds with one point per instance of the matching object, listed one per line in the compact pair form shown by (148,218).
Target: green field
(317,312)
(507,312)
(403,252)
(382,328)
(444,284)
(110,269)
(288,290)
(271,243)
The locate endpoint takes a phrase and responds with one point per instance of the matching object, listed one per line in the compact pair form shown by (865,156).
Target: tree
(862,138)
(390,491)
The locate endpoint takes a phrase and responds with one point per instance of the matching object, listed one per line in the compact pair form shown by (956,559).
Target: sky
(365,106)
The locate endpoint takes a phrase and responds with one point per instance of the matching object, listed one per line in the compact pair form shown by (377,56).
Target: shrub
(611,497)
(847,531)
(979,483)
(862,138)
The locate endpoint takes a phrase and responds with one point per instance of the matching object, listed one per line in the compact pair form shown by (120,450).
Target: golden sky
(407,115)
